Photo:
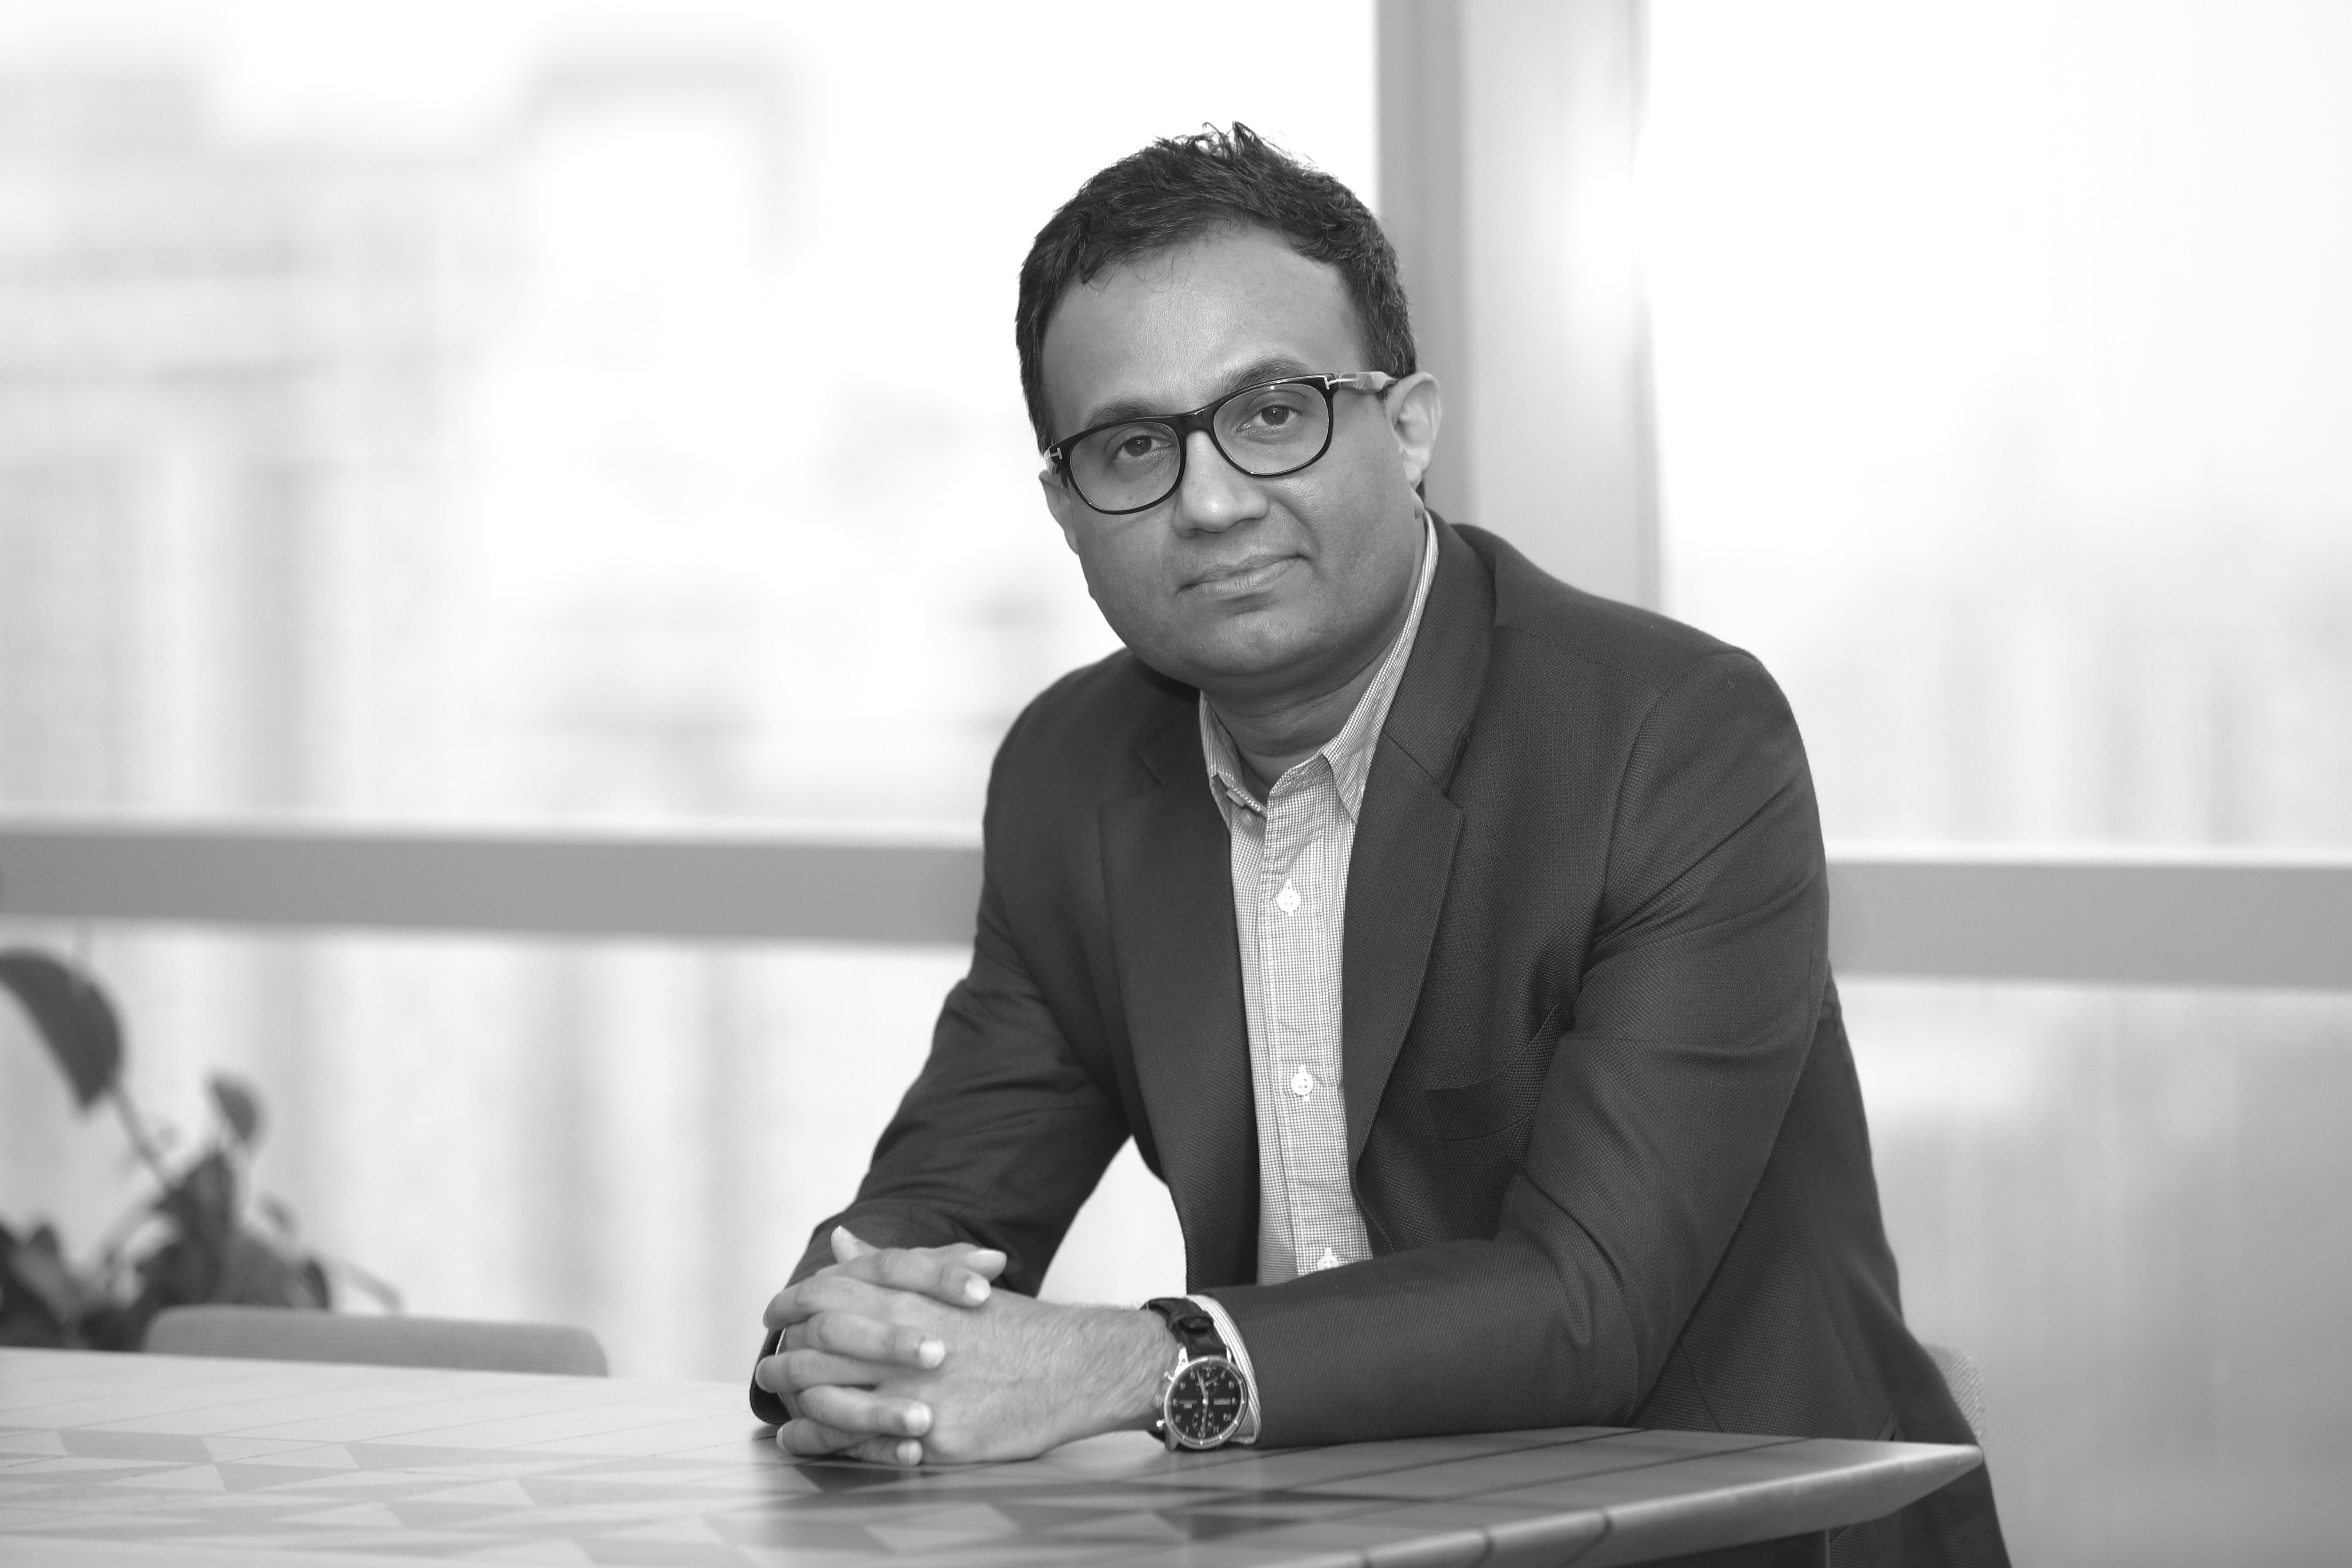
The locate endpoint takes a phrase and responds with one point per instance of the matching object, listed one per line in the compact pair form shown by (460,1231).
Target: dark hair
(1182,188)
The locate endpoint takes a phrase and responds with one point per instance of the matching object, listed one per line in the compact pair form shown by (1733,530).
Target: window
(512,412)
(2003,364)
(528,413)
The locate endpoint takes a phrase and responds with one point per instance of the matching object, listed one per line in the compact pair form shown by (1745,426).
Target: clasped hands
(898,1355)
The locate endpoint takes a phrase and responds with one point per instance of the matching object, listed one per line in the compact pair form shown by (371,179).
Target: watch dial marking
(1206,1402)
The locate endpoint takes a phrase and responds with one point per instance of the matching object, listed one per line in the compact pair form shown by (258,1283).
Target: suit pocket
(1501,1099)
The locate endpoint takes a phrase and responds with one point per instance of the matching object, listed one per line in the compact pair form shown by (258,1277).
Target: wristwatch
(1202,1399)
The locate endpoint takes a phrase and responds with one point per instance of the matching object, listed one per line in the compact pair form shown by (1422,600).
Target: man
(1451,942)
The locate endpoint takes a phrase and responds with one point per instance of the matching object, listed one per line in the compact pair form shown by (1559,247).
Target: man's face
(1254,589)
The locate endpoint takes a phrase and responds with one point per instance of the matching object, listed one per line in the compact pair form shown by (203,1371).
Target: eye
(1274,417)
(1133,446)
(1268,418)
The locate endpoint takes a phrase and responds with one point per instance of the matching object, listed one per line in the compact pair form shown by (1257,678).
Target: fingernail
(910,1453)
(989,1255)
(975,1290)
(930,1352)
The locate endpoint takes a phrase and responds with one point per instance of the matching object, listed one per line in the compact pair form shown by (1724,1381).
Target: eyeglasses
(1273,428)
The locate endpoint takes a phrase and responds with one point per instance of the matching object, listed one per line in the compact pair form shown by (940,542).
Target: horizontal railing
(2200,918)
(701,889)
(2127,917)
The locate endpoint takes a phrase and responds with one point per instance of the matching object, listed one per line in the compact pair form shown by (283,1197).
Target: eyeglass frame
(1203,419)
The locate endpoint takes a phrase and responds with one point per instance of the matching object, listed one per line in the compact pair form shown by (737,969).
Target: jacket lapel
(1170,892)
(1407,830)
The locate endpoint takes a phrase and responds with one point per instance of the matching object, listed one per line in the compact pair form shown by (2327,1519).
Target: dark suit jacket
(1605,1131)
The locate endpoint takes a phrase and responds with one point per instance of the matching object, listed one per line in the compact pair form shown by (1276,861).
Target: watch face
(1205,1403)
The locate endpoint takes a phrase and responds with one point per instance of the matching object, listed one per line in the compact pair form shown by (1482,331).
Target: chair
(287,1333)
(1966,1380)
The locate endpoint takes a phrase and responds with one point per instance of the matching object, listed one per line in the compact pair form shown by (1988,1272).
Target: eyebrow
(1272,367)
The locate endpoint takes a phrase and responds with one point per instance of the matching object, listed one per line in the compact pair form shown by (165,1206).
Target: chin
(1244,649)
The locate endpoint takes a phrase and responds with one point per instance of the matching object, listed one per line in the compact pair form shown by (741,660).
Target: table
(146,1459)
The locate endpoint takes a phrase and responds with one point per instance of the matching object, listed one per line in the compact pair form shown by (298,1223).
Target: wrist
(1137,1355)
(1147,1353)
(1108,1365)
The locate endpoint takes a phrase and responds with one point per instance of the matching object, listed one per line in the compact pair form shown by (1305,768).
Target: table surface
(138,1459)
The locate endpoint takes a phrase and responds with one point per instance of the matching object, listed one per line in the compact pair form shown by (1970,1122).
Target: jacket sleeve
(1003,1136)
(1690,1023)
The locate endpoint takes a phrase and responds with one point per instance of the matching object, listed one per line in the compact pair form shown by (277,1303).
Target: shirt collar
(1349,754)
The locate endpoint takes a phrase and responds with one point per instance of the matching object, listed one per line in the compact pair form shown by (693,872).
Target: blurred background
(603,417)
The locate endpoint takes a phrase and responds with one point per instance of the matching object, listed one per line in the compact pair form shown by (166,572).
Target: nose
(1213,495)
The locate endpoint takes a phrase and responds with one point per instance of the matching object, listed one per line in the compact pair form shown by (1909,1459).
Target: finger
(805,1299)
(865,1412)
(836,1288)
(790,1371)
(808,1368)
(853,1288)
(936,1272)
(957,1276)
(814,1439)
(985,1261)
(847,1245)
(810,1438)
(901,1451)
(867,1339)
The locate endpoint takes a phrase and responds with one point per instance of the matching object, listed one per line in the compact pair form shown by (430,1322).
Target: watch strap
(1193,1328)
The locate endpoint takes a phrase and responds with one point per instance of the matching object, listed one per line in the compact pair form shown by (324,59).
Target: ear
(1064,506)
(1415,408)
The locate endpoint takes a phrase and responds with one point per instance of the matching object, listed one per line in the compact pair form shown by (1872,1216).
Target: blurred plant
(200,1247)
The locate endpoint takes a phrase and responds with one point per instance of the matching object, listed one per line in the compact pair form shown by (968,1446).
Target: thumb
(846,1246)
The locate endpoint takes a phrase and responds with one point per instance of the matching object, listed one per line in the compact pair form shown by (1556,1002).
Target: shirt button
(1302,1083)
(1329,1260)
(1287,899)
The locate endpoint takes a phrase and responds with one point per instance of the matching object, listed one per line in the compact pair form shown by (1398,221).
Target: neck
(1275,734)
(1275,729)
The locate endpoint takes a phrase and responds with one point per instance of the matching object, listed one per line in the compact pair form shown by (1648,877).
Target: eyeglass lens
(1263,431)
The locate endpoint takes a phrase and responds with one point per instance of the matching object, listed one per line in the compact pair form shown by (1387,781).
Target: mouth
(1239,579)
